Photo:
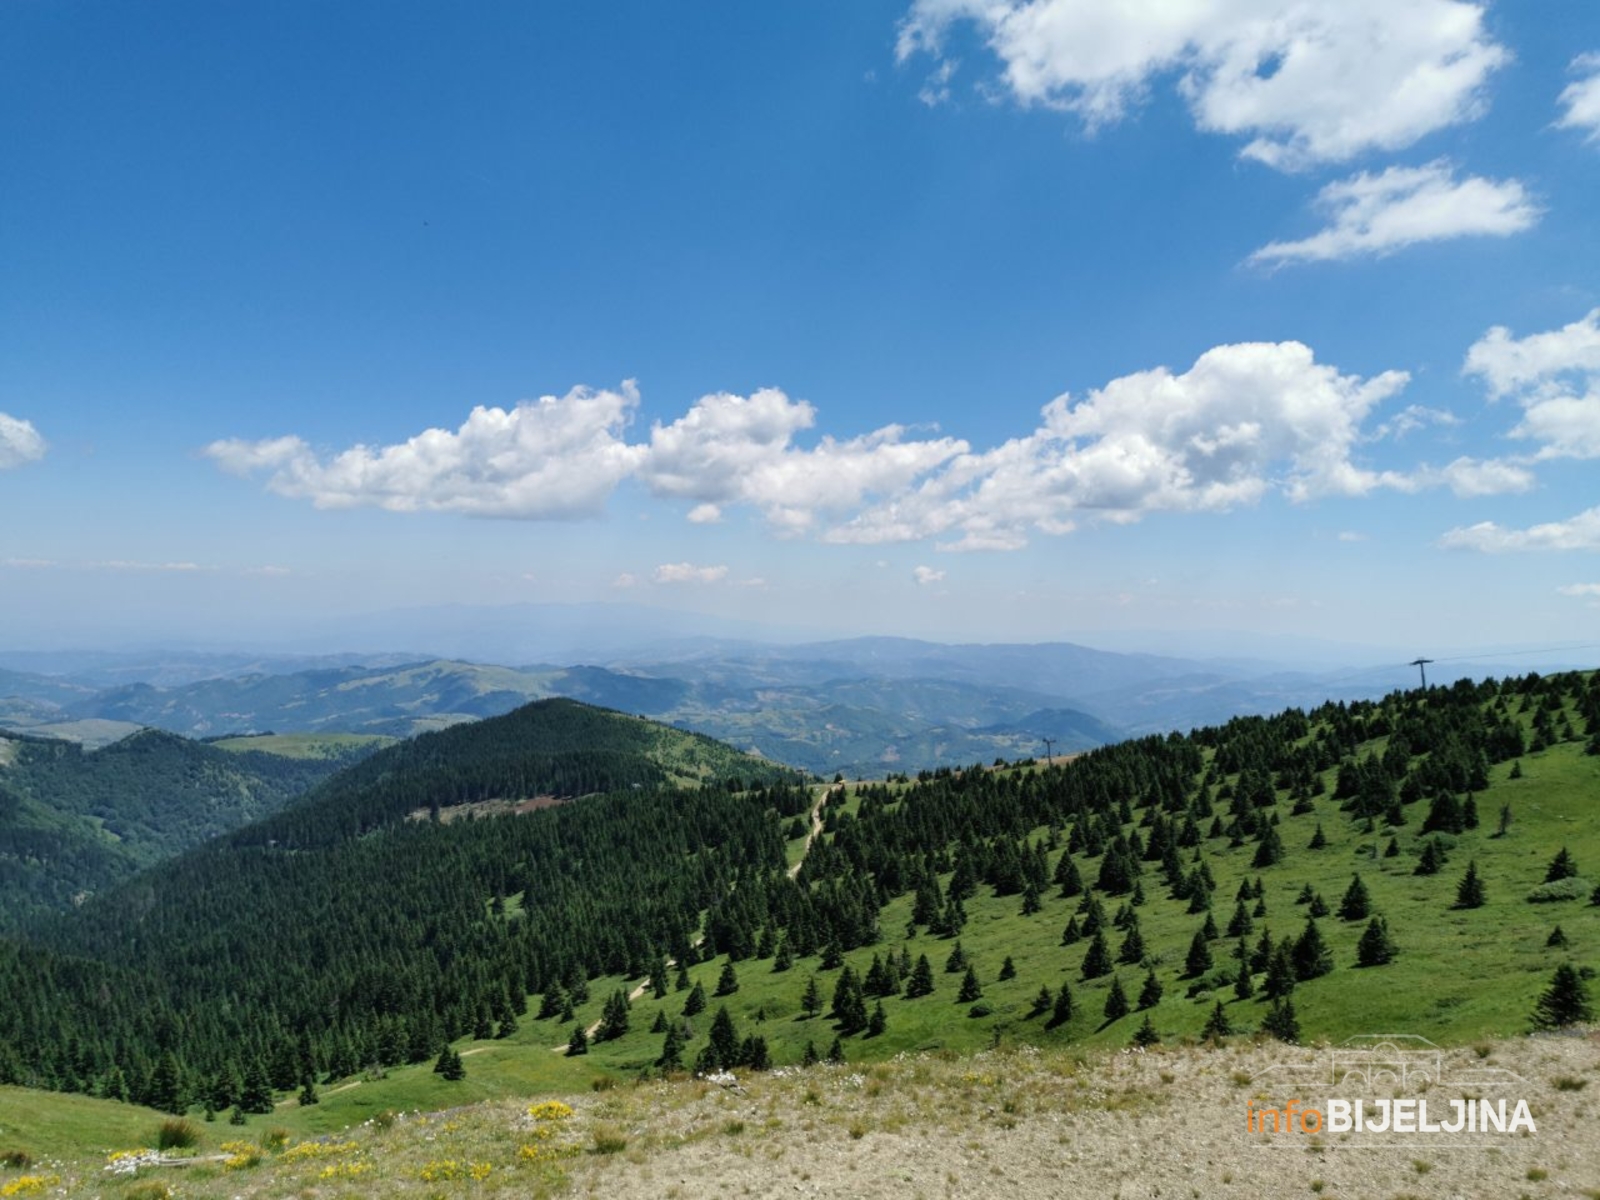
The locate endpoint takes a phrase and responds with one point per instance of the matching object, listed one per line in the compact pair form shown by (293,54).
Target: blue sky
(1007,321)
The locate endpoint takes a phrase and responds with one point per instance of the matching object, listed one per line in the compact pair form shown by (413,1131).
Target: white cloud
(1305,82)
(557,457)
(927,575)
(1477,477)
(705,514)
(1350,535)
(735,449)
(1244,421)
(1581,532)
(19,442)
(624,580)
(28,564)
(1581,98)
(1375,215)
(1412,418)
(1555,376)
(270,571)
(1580,589)
(689,573)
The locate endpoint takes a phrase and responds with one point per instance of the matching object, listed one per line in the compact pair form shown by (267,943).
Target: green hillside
(73,822)
(389,939)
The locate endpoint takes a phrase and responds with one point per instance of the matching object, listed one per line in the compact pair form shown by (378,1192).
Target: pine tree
(878,1022)
(811,998)
(1357,903)
(1557,939)
(450,1066)
(257,1094)
(1270,851)
(671,1058)
(1318,839)
(1565,1002)
(1061,1010)
(1562,866)
(1199,960)
(1097,962)
(308,1091)
(921,981)
(1433,858)
(849,1004)
(1319,906)
(1375,947)
(723,1040)
(1146,1034)
(1217,1025)
(1041,1002)
(1281,1021)
(1008,970)
(1071,935)
(1240,923)
(1280,978)
(1150,993)
(695,1002)
(1470,892)
(970,988)
(728,981)
(1312,958)
(809,1057)
(836,1052)
(1116,1001)
(957,961)
(578,1043)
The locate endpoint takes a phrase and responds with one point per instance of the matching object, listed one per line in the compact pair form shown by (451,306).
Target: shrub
(1571,888)
(980,1009)
(177,1134)
(608,1139)
(16,1158)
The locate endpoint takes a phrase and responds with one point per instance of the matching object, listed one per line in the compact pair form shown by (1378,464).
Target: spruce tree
(1557,939)
(1312,958)
(1375,947)
(1470,891)
(695,1002)
(921,981)
(970,988)
(308,1091)
(836,1052)
(1281,1021)
(811,998)
(578,1043)
(1433,858)
(724,1040)
(1116,1001)
(1280,978)
(1217,1025)
(1565,1002)
(1356,904)
(728,981)
(1061,1010)
(1041,1002)
(1150,992)
(1199,960)
(1146,1034)
(671,1058)
(1562,866)
(1097,962)
(878,1022)
(1008,970)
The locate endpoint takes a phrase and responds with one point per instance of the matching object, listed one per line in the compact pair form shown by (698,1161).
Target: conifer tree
(1061,1011)
(1565,1002)
(1375,947)
(1008,969)
(1198,961)
(1150,993)
(921,981)
(878,1022)
(1146,1034)
(728,981)
(724,1040)
(1041,1002)
(578,1043)
(695,1002)
(811,998)
(1217,1025)
(1281,1021)
(1356,904)
(1312,958)
(1470,892)
(671,1058)
(1097,962)
(836,1052)
(970,988)
(1116,1001)
(1562,866)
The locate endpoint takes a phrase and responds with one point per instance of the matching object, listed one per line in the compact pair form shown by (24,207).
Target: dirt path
(823,792)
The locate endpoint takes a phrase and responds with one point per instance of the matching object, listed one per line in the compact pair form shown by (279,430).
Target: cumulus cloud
(689,573)
(1350,535)
(1374,215)
(1304,82)
(1581,532)
(1580,100)
(734,449)
(1580,589)
(927,575)
(1555,376)
(556,457)
(19,442)
(1412,418)
(1243,421)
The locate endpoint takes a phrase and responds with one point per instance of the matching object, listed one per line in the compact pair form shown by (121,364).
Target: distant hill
(74,822)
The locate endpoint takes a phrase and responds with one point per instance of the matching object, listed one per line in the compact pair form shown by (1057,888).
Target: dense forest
(75,822)
(339,936)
